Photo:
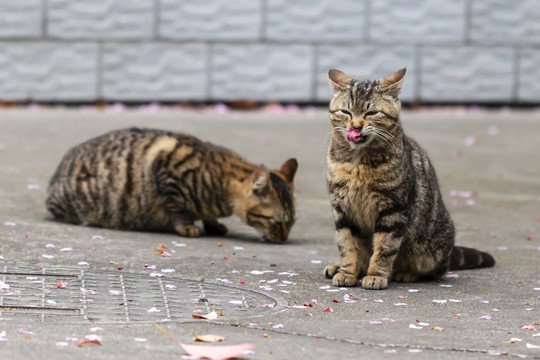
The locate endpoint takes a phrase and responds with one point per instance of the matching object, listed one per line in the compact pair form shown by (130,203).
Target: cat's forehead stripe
(362,91)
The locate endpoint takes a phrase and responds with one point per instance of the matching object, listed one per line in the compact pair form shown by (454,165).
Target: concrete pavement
(487,163)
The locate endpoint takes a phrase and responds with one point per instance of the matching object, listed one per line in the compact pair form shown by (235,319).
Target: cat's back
(108,178)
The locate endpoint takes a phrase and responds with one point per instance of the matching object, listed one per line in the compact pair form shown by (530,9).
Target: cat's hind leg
(213,227)
(186,228)
(406,277)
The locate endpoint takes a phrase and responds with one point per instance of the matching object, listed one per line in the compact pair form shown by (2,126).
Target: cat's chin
(360,144)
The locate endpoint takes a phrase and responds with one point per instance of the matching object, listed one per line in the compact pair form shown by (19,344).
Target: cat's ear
(338,80)
(260,186)
(289,168)
(392,84)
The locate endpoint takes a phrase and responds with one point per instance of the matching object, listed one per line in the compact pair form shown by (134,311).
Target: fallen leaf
(212,352)
(437,328)
(87,343)
(210,316)
(209,338)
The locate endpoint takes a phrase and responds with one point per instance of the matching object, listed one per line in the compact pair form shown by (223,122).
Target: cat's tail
(462,258)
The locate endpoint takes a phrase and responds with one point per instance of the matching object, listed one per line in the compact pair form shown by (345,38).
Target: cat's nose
(357,124)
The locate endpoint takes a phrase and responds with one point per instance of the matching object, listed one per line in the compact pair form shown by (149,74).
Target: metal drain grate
(60,294)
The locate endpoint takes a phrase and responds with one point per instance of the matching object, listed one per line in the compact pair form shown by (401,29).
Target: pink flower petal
(24,332)
(215,352)
(157,275)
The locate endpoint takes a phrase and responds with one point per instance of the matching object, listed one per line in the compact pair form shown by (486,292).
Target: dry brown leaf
(87,343)
(209,338)
(209,316)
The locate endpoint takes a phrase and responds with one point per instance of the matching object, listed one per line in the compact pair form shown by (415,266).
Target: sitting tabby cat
(141,179)
(390,219)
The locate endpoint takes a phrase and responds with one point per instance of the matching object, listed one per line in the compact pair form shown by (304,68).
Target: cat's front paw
(374,282)
(331,270)
(188,230)
(341,279)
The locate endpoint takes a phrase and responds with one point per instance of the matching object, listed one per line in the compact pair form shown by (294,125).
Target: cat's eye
(261,216)
(371,113)
(346,112)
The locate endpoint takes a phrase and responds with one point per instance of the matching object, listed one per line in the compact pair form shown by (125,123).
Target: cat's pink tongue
(354,135)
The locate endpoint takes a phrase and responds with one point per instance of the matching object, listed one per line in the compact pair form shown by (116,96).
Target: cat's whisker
(385,136)
(336,129)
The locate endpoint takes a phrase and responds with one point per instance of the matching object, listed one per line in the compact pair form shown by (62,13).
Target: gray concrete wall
(216,50)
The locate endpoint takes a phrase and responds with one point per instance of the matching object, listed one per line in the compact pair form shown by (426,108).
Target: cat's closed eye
(371,113)
(260,216)
(346,112)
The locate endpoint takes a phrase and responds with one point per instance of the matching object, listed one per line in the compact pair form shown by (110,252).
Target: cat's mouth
(355,136)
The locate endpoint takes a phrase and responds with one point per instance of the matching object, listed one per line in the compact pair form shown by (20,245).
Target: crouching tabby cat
(141,179)
(390,219)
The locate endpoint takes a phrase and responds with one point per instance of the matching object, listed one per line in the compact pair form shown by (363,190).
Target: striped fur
(142,179)
(390,219)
